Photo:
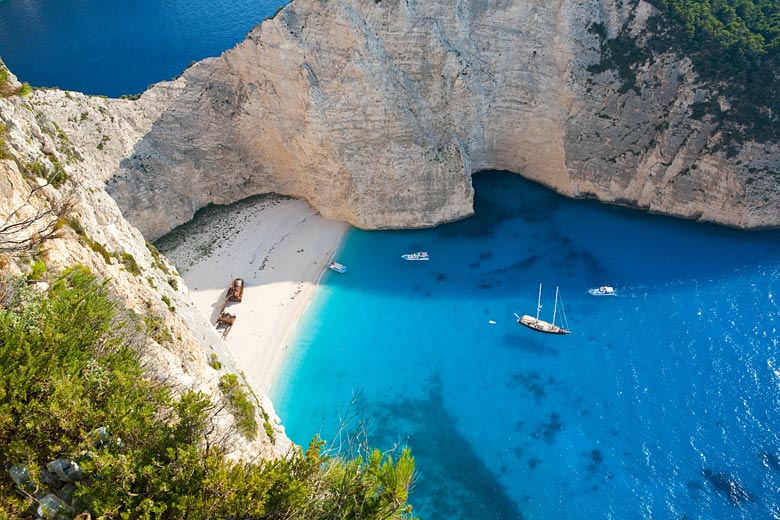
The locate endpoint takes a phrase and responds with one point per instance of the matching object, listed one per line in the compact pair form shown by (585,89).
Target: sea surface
(662,403)
(115,47)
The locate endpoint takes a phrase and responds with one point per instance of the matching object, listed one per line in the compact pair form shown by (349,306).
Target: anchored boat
(604,290)
(339,268)
(541,325)
(419,256)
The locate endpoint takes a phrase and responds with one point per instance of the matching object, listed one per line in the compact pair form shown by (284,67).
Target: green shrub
(240,405)
(156,329)
(76,226)
(130,264)
(167,302)
(25,89)
(158,261)
(214,362)
(72,387)
(3,150)
(269,431)
(99,248)
(38,269)
(735,49)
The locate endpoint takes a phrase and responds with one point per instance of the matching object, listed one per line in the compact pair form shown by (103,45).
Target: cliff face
(378,112)
(83,137)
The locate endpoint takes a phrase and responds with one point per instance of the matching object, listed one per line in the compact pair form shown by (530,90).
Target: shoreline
(280,247)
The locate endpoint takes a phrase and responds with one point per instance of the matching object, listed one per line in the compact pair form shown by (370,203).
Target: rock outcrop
(378,111)
(180,347)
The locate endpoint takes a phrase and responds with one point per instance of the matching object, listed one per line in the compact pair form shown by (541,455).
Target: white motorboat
(604,290)
(419,256)
(339,268)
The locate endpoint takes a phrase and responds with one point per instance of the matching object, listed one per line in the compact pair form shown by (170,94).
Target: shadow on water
(528,344)
(453,481)
(523,233)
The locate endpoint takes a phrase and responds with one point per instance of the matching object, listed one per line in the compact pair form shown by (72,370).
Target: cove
(658,403)
(119,47)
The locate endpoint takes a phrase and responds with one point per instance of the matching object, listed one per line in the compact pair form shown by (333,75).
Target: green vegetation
(747,27)
(36,169)
(73,388)
(38,269)
(214,362)
(155,329)
(126,259)
(25,89)
(3,150)
(5,87)
(269,429)
(735,49)
(158,261)
(620,54)
(167,301)
(130,264)
(240,405)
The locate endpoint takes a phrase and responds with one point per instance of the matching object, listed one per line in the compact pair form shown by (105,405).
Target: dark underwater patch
(547,431)
(517,266)
(771,460)
(726,485)
(595,459)
(531,383)
(453,482)
(528,344)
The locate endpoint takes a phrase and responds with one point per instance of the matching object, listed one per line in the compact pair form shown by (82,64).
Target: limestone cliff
(378,112)
(182,348)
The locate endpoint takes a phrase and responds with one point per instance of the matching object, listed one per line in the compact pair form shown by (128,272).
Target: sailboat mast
(555,308)
(539,302)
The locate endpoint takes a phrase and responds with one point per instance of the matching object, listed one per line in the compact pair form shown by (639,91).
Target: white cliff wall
(379,112)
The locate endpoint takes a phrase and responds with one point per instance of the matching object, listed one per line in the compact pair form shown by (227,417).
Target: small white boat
(419,256)
(604,290)
(339,268)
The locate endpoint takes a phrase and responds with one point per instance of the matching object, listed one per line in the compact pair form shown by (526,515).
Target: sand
(280,247)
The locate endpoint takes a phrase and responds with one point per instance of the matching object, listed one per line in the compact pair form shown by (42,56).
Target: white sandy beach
(280,248)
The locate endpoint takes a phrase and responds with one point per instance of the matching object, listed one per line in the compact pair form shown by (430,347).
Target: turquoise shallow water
(659,400)
(115,47)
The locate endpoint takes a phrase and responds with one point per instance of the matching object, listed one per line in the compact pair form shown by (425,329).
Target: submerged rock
(728,486)
(771,459)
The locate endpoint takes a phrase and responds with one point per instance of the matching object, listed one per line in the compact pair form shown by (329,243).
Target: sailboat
(541,325)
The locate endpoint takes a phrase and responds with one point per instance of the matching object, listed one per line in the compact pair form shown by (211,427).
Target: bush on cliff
(735,49)
(72,387)
(734,46)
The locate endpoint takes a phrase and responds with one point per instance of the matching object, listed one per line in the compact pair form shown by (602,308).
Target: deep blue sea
(115,47)
(662,403)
